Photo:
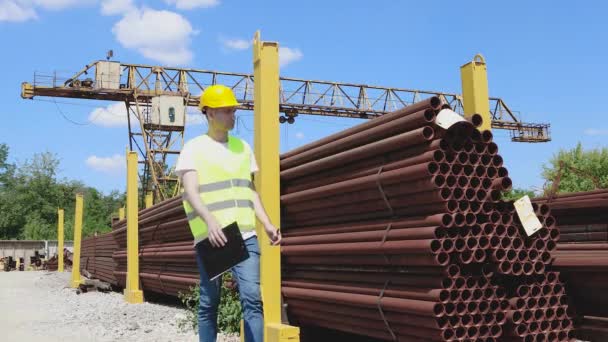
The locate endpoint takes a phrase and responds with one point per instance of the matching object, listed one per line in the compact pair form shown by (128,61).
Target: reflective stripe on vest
(245,183)
(223,205)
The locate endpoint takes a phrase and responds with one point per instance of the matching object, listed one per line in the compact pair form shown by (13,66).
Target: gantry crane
(159,96)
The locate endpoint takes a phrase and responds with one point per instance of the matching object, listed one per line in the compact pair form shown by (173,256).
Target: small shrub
(229,311)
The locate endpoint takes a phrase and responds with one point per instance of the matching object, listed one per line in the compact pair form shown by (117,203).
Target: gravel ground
(40,305)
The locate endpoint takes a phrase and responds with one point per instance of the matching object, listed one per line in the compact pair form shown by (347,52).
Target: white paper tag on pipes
(447,117)
(527,216)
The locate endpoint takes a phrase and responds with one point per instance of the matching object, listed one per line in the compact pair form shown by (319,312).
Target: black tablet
(218,260)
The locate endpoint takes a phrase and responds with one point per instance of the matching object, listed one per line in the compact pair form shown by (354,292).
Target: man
(216,171)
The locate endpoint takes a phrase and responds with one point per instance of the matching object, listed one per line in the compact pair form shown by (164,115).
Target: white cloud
(23,10)
(596,132)
(300,135)
(114,115)
(288,55)
(163,36)
(115,164)
(236,44)
(113,7)
(191,4)
(14,11)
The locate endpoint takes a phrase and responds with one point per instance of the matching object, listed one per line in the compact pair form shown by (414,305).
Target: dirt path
(38,305)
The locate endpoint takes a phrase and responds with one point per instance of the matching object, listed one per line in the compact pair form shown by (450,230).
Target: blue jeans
(247,275)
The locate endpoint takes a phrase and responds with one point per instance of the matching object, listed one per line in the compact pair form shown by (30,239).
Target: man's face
(221,118)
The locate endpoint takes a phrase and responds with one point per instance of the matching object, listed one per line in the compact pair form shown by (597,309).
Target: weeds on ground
(229,311)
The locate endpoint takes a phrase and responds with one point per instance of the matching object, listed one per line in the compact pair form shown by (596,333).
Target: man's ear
(208,113)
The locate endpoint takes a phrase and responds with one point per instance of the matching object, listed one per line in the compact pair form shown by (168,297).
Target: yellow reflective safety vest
(225,187)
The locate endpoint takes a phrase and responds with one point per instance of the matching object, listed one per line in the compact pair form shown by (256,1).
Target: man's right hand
(215,233)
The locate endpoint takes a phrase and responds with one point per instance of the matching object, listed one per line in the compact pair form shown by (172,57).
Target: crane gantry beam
(137,85)
(297,95)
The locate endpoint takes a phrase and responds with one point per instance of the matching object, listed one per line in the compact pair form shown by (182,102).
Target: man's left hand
(273,234)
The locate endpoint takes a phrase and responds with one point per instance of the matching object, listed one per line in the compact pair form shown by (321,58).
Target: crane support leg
(475,98)
(266,117)
(60,215)
(76,279)
(132,293)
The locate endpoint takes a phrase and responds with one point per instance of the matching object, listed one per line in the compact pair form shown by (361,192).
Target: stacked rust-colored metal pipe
(584,267)
(167,263)
(539,308)
(592,328)
(395,229)
(582,216)
(582,256)
(96,257)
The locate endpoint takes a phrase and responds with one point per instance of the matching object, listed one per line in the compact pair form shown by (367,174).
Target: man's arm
(190,181)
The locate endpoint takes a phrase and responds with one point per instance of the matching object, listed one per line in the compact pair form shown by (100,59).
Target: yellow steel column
(149,199)
(60,240)
(266,136)
(475,95)
(76,279)
(121,213)
(132,292)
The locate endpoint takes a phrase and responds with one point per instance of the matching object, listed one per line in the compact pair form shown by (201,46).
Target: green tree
(8,210)
(7,170)
(582,170)
(37,228)
(517,193)
(98,210)
(31,193)
(37,192)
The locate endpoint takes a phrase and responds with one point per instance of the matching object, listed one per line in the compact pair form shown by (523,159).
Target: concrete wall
(27,248)
(52,247)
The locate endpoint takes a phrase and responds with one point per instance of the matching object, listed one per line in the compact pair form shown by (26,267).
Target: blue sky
(546,59)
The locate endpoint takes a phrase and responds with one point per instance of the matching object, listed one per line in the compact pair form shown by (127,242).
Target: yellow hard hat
(218,96)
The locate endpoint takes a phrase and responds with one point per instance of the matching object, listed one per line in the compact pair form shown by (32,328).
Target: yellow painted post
(266,136)
(132,292)
(76,279)
(475,94)
(60,240)
(121,213)
(149,199)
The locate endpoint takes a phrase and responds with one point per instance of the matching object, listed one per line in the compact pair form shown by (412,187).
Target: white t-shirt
(186,160)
